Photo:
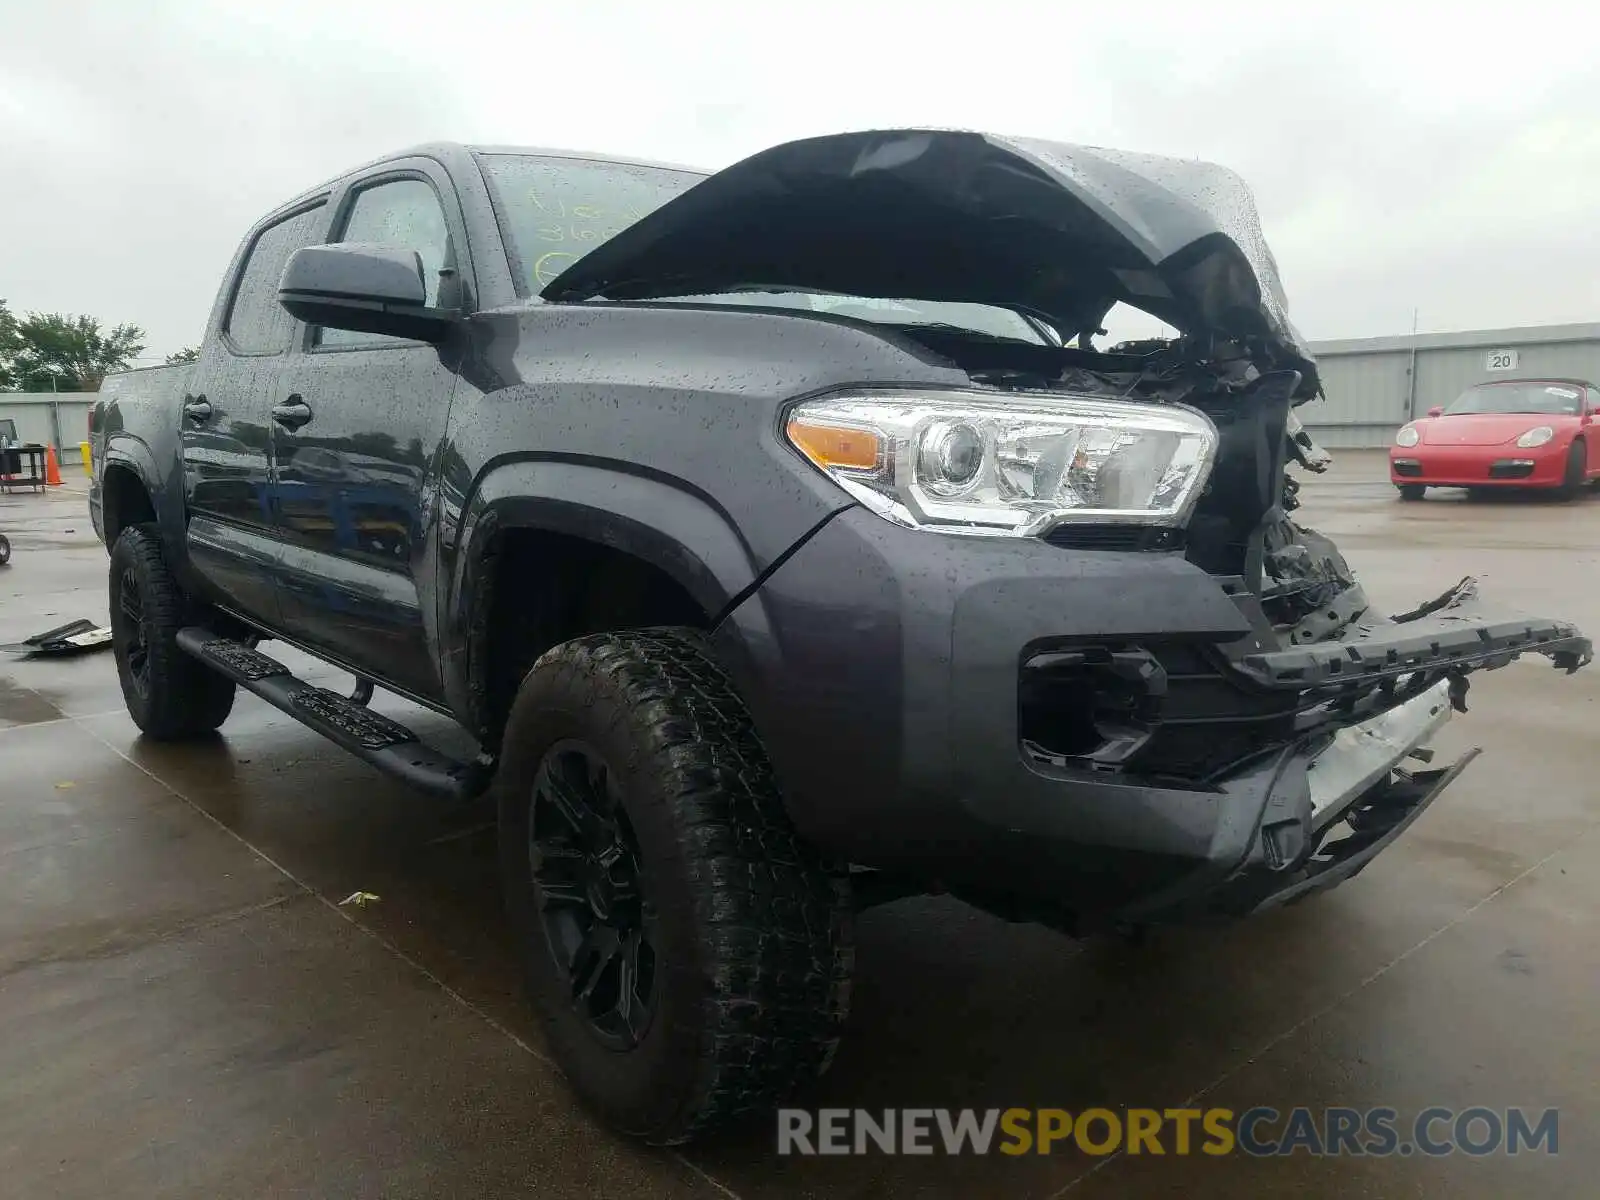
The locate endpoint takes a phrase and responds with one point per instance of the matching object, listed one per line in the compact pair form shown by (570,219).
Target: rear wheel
(689,955)
(1412,491)
(169,694)
(5,550)
(1577,471)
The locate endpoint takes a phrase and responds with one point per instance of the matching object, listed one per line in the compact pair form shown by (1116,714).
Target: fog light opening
(1097,704)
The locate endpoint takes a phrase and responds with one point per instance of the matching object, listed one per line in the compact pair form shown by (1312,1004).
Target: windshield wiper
(1046,332)
(967,330)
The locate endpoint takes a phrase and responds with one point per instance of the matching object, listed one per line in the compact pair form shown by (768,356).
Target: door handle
(197,409)
(292,413)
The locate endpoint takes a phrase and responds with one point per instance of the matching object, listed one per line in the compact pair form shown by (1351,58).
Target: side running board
(386,744)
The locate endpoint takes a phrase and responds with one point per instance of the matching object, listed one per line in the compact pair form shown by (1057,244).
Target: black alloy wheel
(135,638)
(169,695)
(598,923)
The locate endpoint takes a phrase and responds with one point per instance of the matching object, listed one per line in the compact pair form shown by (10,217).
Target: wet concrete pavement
(187,1010)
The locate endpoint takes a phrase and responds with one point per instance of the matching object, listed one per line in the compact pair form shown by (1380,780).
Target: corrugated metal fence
(1375,385)
(51,419)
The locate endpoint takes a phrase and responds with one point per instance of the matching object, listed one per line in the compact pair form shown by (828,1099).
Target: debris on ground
(75,637)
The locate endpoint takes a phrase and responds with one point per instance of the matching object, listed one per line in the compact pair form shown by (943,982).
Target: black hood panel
(1057,230)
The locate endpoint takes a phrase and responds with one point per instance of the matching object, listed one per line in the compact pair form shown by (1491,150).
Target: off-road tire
(175,696)
(1576,476)
(755,930)
(1412,491)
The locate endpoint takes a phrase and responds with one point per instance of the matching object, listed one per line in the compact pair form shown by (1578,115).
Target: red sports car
(1521,433)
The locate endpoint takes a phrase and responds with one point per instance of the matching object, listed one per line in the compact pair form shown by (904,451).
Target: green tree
(71,350)
(8,348)
(187,355)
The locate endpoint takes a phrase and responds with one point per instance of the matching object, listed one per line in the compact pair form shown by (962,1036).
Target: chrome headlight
(1407,437)
(1537,436)
(1008,465)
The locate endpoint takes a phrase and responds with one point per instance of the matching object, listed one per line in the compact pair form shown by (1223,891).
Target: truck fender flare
(673,528)
(125,452)
(680,531)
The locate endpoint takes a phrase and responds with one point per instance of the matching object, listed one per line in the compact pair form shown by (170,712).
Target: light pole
(55,408)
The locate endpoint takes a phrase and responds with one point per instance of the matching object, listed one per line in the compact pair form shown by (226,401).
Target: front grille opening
(1409,467)
(1114,537)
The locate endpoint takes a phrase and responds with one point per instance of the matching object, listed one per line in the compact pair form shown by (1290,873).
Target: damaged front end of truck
(1327,706)
(1317,722)
(1311,729)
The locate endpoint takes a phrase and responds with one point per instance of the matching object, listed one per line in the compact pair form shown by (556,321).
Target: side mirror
(363,287)
(1436,411)
(1587,418)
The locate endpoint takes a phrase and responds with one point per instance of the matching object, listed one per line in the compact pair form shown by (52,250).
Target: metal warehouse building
(1375,385)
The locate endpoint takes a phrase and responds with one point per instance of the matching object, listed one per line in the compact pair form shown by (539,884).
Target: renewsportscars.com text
(1376,1132)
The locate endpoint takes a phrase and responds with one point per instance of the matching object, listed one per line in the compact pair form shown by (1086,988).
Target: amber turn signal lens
(831,446)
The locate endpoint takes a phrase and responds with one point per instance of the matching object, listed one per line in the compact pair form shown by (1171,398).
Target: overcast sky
(1445,163)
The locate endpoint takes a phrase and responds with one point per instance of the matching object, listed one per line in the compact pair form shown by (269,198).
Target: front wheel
(169,695)
(689,955)
(1412,491)
(5,550)
(1577,472)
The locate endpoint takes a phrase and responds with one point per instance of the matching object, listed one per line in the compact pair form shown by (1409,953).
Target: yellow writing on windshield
(581,222)
(547,266)
(556,206)
(574,233)
(582,226)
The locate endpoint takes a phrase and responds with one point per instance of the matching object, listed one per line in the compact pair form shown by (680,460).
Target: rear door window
(256,322)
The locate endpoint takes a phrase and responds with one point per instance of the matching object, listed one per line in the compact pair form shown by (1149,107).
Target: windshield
(1554,399)
(555,210)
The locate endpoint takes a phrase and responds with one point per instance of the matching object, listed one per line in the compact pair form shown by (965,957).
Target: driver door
(358,425)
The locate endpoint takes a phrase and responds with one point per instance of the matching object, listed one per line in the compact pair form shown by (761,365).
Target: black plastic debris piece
(75,637)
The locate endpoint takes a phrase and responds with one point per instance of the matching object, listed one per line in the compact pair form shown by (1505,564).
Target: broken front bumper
(1362,789)
(1093,736)
(1331,812)
(1454,633)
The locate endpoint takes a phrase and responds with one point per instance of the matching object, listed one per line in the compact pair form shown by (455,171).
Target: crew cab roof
(459,156)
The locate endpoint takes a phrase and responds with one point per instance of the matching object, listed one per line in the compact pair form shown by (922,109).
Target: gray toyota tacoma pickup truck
(786,543)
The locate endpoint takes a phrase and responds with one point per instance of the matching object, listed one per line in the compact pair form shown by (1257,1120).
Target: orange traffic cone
(52,468)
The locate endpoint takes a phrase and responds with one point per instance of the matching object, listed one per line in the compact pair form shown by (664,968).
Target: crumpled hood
(1058,230)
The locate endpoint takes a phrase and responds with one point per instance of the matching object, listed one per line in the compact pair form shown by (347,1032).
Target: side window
(257,323)
(405,213)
